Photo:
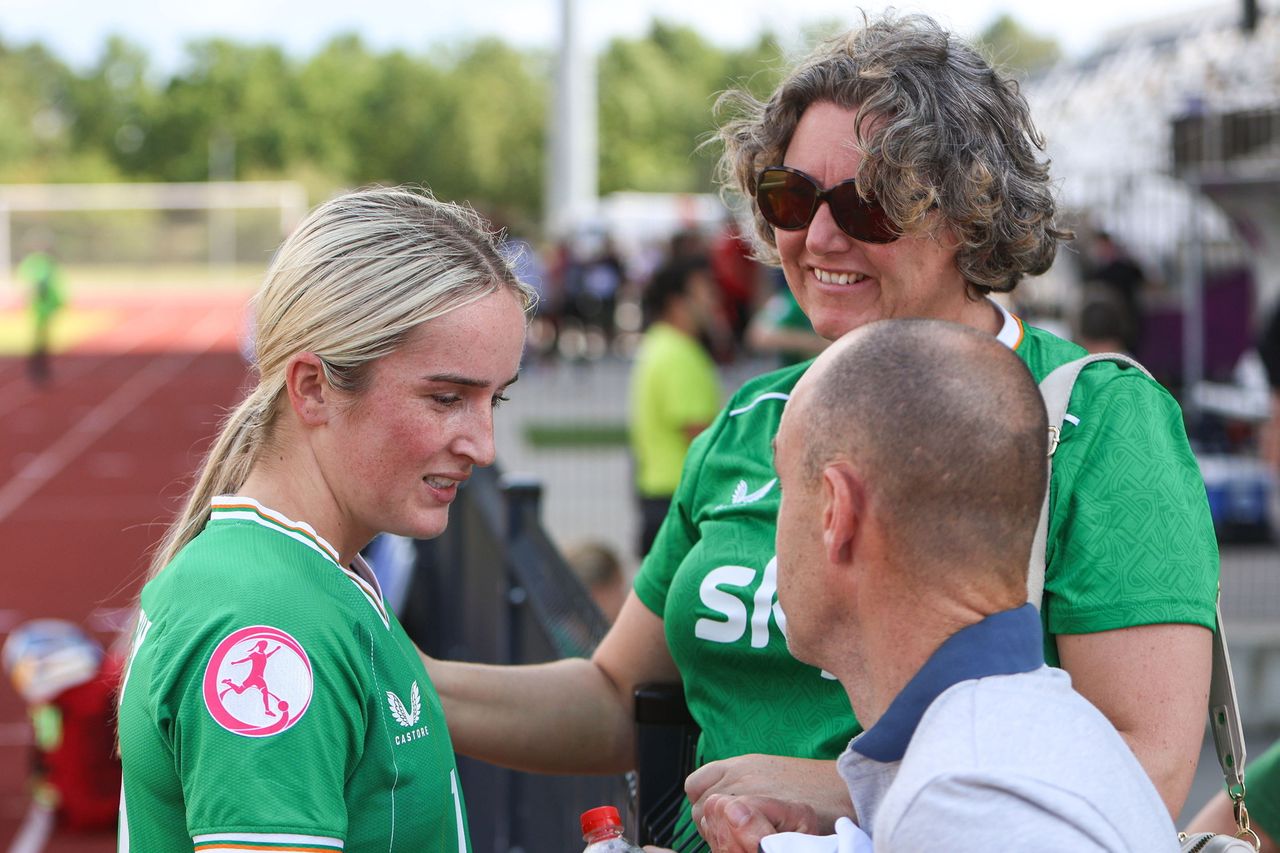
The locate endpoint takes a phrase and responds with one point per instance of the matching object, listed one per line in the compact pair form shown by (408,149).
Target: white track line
(19,391)
(35,831)
(50,462)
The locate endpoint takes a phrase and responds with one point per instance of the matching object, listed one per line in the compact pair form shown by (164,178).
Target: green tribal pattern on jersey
(272,703)
(1130,543)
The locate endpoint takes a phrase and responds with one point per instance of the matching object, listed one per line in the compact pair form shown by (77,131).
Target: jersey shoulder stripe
(240,508)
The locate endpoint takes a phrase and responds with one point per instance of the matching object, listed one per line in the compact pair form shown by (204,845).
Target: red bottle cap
(599,818)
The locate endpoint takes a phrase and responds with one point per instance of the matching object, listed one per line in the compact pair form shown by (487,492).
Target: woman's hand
(738,801)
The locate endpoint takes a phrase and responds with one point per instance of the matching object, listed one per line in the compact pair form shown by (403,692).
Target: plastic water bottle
(602,830)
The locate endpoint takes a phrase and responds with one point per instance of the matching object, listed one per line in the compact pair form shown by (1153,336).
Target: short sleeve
(678,533)
(287,772)
(1131,541)
(973,813)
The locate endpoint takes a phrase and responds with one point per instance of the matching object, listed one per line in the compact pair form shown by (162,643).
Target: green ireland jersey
(271,702)
(1130,543)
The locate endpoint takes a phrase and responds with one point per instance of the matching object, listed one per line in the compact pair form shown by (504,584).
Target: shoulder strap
(1224,714)
(1056,391)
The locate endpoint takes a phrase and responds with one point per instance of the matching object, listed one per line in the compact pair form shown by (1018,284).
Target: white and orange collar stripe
(241,508)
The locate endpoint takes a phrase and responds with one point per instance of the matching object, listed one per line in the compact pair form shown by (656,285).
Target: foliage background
(467,120)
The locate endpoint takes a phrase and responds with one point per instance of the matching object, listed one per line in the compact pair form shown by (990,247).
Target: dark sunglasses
(788,199)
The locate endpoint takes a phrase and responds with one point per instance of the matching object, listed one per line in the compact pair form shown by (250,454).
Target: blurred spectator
(736,274)
(687,243)
(781,328)
(69,686)
(1102,326)
(600,280)
(1121,277)
(530,268)
(674,390)
(40,270)
(1269,349)
(600,571)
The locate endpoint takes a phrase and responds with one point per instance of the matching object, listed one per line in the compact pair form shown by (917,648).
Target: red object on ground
(83,766)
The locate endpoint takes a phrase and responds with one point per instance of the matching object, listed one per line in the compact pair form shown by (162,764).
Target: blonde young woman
(272,701)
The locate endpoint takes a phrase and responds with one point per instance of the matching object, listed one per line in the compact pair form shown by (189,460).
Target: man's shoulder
(1041,700)
(1031,726)
(1036,754)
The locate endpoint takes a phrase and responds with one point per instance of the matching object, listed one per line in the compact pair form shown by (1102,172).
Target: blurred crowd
(591,294)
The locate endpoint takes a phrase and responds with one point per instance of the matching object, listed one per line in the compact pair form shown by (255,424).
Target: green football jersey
(1130,542)
(271,702)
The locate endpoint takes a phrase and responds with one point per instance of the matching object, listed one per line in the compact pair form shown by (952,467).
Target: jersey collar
(1004,643)
(1011,330)
(241,508)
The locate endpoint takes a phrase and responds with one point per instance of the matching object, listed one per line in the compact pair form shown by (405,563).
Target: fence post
(522,496)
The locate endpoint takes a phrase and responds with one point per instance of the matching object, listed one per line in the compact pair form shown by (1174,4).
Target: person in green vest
(41,271)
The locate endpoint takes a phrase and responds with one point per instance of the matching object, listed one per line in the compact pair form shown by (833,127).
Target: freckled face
(842,283)
(394,459)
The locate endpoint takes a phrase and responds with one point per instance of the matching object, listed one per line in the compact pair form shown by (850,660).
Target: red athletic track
(92,467)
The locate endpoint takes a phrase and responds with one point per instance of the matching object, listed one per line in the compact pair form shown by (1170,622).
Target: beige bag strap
(1056,391)
(1224,712)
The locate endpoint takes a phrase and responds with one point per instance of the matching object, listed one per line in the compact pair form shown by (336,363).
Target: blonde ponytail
(224,469)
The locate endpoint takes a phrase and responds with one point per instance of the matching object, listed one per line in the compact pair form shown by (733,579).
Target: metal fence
(494,589)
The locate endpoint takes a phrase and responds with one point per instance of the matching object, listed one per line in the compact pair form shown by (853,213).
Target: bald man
(912,463)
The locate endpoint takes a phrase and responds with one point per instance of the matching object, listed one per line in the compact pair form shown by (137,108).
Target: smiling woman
(387,330)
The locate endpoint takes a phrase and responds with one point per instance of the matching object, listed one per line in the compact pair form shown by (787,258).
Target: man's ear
(843,511)
(310,395)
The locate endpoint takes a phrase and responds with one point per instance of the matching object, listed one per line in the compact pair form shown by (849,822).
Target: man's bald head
(948,430)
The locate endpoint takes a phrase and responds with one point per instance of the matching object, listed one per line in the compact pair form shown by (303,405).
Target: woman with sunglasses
(894,174)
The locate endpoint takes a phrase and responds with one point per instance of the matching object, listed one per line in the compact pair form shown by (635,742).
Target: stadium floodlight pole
(571,182)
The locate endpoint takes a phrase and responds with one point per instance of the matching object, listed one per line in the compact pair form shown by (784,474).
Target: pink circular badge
(258,682)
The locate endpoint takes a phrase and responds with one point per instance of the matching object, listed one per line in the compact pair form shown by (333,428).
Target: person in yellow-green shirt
(40,270)
(674,390)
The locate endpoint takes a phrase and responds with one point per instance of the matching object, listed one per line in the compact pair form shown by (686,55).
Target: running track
(92,467)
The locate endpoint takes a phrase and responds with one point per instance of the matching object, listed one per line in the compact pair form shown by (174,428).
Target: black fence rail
(494,589)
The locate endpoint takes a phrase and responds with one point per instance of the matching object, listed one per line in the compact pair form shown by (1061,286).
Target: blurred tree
(468,120)
(36,112)
(757,68)
(489,138)
(655,98)
(1009,44)
(335,87)
(246,95)
(114,105)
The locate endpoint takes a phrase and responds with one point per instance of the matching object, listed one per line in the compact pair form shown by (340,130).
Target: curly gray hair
(938,127)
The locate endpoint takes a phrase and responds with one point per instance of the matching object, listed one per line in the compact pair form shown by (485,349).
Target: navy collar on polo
(1004,643)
